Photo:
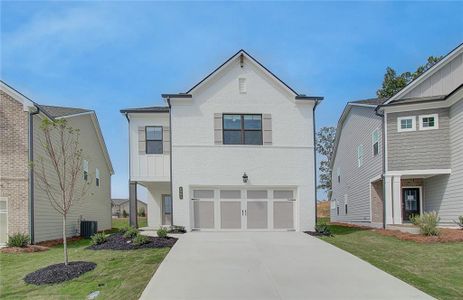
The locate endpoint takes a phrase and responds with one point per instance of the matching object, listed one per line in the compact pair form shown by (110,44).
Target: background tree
(392,83)
(63,183)
(325,146)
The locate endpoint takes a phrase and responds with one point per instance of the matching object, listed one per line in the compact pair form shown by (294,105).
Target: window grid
(242,130)
(154,144)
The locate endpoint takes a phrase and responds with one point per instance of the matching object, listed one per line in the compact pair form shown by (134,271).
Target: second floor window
(375,142)
(153,139)
(85,169)
(241,129)
(360,155)
(97,177)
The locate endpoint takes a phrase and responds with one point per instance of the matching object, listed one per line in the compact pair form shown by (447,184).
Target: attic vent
(242,85)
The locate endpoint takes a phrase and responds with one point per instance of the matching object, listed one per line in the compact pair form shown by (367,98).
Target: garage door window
(257,194)
(203,194)
(282,194)
(230,194)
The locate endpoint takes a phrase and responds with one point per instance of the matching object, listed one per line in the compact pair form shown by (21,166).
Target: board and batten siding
(418,149)
(440,83)
(355,181)
(96,206)
(444,193)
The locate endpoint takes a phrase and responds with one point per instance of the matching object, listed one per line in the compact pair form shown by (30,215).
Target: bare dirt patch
(27,249)
(57,242)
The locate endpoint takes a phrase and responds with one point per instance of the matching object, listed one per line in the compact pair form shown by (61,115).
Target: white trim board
(419,172)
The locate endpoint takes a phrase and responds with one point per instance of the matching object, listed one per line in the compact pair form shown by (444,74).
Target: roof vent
(242,85)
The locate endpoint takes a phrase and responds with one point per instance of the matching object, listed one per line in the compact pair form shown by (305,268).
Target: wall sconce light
(245,178)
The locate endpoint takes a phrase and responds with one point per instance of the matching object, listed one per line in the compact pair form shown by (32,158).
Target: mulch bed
(314,233)
(27,249)
(119,242)
(57,242)
(446,235)
(59,272)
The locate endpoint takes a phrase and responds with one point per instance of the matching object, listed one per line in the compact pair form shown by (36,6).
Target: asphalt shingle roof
(146,109)
(61,111)
(370,101)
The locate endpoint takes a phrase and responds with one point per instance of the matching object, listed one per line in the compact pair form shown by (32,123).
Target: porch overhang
(419,173)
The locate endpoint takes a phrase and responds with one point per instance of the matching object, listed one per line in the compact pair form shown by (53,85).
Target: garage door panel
(257,215)
(203,214)
(230,215)
(283,215)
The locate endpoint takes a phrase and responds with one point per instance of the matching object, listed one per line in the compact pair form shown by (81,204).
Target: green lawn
(118,275)
(436,269)
(124,222)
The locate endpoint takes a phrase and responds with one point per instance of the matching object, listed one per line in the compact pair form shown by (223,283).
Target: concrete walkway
(268,265)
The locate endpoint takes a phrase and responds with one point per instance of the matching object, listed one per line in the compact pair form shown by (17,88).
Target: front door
(410,202)
(166,210)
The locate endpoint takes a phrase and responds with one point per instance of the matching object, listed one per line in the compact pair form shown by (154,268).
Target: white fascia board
(76,115)
(420,172)
(427,74)
(26,102)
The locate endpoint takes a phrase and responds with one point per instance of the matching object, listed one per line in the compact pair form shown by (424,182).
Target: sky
(107,56)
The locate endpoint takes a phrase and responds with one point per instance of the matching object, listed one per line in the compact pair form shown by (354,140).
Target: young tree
(393,83)
(325,146)
(59,172)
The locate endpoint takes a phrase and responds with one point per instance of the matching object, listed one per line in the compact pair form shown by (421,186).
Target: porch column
(133,204)
(396,191)
(388,198)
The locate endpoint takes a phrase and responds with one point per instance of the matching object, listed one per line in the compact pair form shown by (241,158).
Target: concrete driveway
(269,265)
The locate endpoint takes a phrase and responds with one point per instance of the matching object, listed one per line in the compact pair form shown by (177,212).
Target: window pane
(230,194)
(203,194)
(231,137)
(253,137)
(252,122)
(375,149)
(153,147)
(154,133)
(428,122)
(406,123)
(232,121)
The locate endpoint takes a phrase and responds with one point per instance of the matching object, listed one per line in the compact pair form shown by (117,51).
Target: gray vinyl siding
(96,206)
(442,82)
(355,182)
(419,149)
(444,193)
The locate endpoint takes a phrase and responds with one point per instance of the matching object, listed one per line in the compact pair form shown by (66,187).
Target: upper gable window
(429,122)
(360,155)
(375,142)
(240,129)
(242,85)
(154,140)
(406,124)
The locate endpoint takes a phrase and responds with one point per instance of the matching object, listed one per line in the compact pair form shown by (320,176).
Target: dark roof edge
(255,60)
(180,95)
(142,110)
(422,99)
(304,97)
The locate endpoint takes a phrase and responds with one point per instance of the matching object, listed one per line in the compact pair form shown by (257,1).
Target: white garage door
(243,209)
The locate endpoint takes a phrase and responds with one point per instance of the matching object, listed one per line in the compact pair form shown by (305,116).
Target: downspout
(383,140)
(171,184)
(315,159)
(31,173)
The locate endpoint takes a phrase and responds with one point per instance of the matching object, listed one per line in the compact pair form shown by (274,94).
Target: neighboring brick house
(119,205)
(23,207)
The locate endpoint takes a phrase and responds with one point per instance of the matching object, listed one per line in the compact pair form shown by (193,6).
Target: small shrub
(177,229)
(162,232)
(459,222)
(123,230)
(124,214)
(323,229)
(428,223)
(141,212)
(414,218)
(18,240)
(140,239)
(131,232)
(98,238)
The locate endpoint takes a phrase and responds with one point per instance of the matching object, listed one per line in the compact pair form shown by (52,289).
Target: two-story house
(419,164)
(235,152)
(24,206)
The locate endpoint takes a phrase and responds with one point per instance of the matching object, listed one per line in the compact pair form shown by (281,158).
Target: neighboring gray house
(420,131)
(119,205)
(24,207)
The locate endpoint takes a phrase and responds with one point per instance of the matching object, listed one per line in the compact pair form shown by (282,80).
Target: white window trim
(436,121)
(338,175)
(399,127)
(360,157)
(373,142)
(97,177)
